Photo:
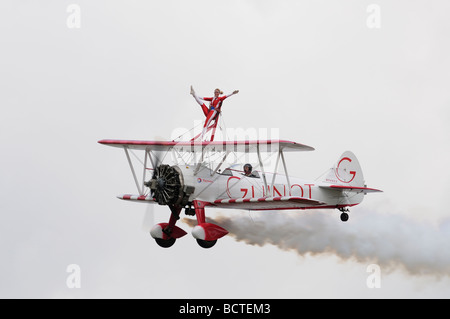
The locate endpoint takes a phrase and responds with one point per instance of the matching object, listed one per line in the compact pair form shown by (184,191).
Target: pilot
(248,170)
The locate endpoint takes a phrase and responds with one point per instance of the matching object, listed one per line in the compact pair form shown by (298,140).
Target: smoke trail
(391,241)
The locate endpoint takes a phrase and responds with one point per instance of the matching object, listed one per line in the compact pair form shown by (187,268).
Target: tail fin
(346,177)
(346,172)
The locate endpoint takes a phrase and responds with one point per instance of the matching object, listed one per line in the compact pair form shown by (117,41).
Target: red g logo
(344,179)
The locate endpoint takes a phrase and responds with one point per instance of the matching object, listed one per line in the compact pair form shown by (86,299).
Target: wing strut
(220,164)
(144,171)
(280,154)
(285,171)
(276,170)
(262,169)
(197,168)
(132,170)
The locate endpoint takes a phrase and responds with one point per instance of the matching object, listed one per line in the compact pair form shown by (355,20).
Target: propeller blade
(149,218)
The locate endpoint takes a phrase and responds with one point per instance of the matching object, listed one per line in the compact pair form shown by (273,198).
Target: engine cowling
(167,186)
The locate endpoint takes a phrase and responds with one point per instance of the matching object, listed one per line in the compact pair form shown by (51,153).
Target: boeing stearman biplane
(196,180)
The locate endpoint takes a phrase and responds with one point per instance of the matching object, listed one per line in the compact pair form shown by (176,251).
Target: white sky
(312,69)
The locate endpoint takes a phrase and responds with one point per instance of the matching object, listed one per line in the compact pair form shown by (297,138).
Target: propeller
(149,218)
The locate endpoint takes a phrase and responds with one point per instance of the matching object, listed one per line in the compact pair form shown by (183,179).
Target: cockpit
(239,170)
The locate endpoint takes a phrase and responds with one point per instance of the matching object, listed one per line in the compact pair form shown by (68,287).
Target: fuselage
(233,184)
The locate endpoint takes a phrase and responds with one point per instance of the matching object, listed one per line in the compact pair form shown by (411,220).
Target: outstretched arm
(228,95)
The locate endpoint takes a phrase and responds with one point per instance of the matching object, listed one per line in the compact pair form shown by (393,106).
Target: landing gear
(165,234)
(189,211)
(206,243)
(165,243)
(205,233)
(344,215)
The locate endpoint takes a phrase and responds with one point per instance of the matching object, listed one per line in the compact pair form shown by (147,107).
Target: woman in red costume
(215,103)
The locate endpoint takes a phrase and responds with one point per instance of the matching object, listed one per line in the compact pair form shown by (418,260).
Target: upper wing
(218,146)
(267,203)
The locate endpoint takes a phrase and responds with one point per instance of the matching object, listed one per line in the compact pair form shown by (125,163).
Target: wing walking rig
(199,180)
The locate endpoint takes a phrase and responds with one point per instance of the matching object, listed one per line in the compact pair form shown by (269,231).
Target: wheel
(165,243)
(344,217)
(206,243)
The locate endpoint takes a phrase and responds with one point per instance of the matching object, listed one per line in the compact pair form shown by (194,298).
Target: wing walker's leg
(198,135)
(209,118)
(199,101)
(215,126)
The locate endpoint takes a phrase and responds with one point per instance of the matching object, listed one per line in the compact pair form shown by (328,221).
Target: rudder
(346,171)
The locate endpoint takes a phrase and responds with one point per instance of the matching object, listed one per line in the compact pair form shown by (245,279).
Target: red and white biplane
(196,180)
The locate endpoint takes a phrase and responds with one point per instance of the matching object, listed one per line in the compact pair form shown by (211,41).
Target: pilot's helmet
(249,166)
